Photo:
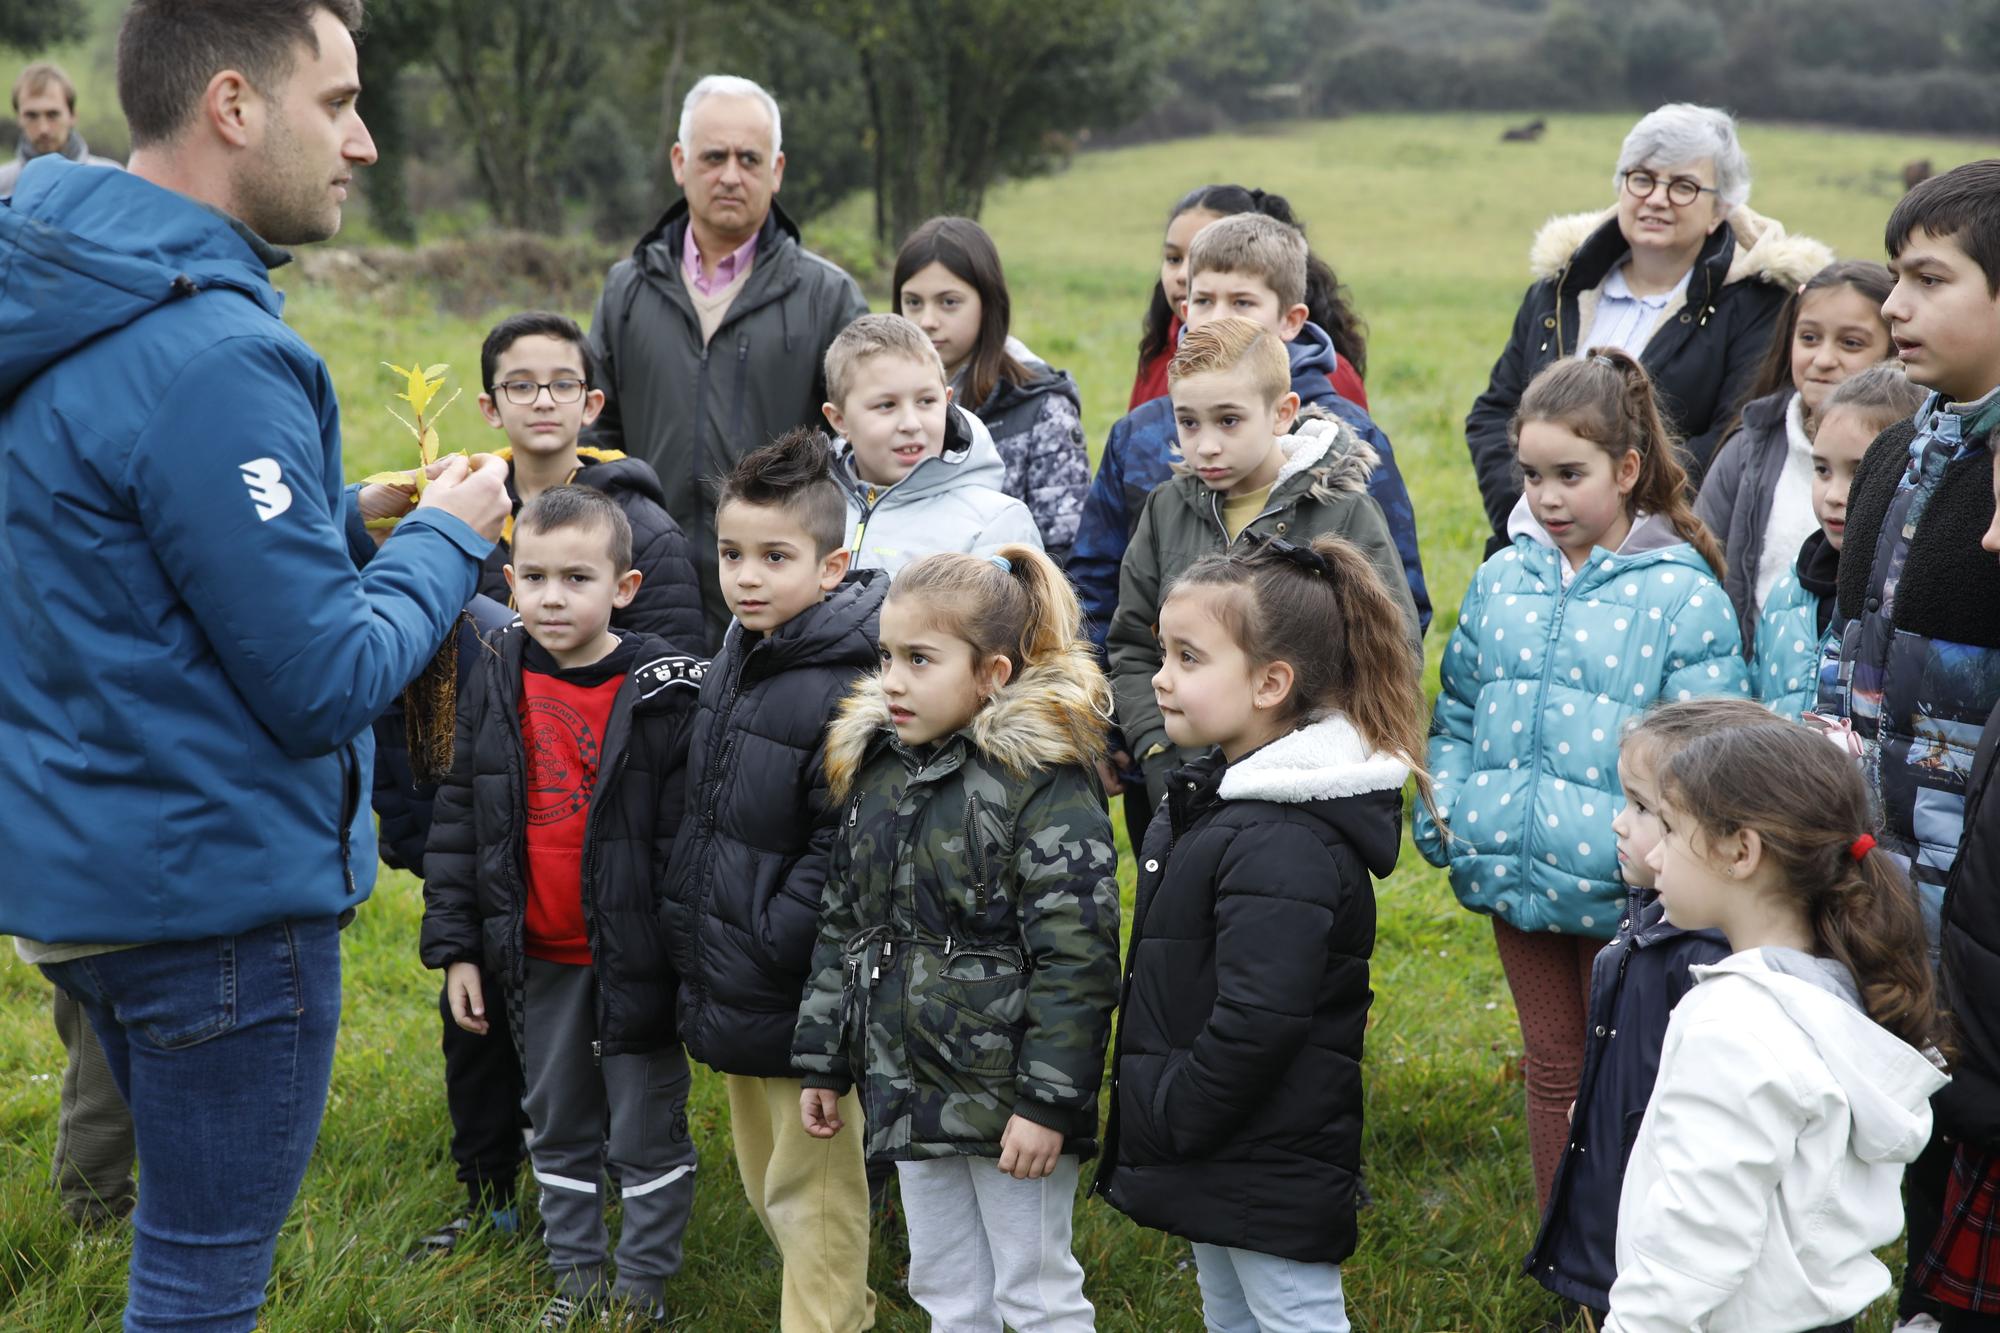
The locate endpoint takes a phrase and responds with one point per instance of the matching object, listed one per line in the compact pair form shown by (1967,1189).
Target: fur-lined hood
(1054,713)
(1323,760)
(1765,251)
(1339,460)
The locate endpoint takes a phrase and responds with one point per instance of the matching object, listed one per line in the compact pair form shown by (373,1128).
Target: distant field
(1428,219)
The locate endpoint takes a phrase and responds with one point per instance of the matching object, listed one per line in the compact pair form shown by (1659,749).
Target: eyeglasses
(523,393)
(1681,190)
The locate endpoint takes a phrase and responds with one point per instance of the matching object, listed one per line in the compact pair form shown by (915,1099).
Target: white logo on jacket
(267,487)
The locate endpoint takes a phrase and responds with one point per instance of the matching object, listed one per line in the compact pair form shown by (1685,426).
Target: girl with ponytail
(1606,602)
(1237,1114)
(1796,1076)
(967,961)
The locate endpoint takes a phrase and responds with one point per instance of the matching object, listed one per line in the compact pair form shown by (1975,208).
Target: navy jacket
(1140,455)
(1635,983)
(195,630)
(1969,1106)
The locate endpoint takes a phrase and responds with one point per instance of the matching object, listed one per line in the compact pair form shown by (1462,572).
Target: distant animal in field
(1916,172)
(1527,133)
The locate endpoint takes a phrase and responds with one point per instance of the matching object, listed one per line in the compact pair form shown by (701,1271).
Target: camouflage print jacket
(967,963)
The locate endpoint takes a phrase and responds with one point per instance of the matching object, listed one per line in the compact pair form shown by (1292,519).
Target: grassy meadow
(1428,219)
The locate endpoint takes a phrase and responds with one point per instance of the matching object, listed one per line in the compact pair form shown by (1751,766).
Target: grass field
(1428,219)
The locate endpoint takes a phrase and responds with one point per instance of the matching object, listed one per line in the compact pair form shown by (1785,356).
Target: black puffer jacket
(475,896)
(1236,1101)
(743,893)
(1703,357)
(1969,1106)
(668,603)
(1635,983)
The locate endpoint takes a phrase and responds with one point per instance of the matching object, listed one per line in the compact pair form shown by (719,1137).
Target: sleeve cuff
(840,1087)
(1062,1119)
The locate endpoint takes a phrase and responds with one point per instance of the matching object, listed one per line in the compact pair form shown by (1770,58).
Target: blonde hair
(872,336)
(1225,344)
(1258,245)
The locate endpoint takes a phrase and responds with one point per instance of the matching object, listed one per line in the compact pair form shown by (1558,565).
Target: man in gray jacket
(709,338)
(45,110)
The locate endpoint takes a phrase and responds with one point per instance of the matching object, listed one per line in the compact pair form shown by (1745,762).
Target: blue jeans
(223,1048)
(1243,1291)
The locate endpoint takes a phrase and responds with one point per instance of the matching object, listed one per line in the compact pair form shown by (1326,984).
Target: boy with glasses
(539,388)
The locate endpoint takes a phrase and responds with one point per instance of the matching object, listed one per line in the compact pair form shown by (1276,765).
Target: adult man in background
(196,627)
(45,109)
(709,338)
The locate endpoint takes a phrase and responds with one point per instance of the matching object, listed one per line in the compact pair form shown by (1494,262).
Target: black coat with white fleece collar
(1236,1102)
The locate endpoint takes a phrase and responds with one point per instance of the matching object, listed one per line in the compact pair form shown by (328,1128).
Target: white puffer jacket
(1769,1164)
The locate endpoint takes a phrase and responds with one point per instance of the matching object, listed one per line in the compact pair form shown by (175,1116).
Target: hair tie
(1861,846)
(1599,358)
(1002,563)
(1299,557)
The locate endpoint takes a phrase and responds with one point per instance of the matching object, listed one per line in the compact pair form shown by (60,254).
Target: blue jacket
(1537,685)
(190,652)
(1786,667)
(1140,454)
(1635,983)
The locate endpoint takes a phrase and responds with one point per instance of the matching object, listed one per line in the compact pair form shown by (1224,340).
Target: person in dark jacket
(1236,1089)
(1757,494)
(1635,982)
(743,892)
(539,388)
(482,1074)
(710,337)
(556,822)
(1679,274)
(950,284)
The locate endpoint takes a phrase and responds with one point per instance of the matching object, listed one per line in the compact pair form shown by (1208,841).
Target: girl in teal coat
(1607,601)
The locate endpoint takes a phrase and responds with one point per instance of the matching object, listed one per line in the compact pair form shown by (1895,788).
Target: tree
(30,25)
(963,93)
(392,42)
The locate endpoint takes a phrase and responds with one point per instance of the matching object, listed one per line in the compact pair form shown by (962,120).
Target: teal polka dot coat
(1785,670)
(1537,685)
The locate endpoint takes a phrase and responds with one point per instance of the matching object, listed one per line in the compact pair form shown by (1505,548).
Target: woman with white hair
(1679,273)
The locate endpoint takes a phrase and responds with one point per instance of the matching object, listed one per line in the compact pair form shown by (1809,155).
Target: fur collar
(1321,761)
(1054,713)
(1765,251)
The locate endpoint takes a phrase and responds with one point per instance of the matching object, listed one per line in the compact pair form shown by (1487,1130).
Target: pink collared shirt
(732,267)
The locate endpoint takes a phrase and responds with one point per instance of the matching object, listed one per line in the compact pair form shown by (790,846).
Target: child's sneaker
(564,1311)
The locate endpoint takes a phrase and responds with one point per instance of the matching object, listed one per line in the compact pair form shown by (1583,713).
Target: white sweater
(1769,1165)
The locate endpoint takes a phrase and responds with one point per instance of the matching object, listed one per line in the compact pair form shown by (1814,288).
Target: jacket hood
(1052,714)
(1764,250)
(659,250)
(1652,532)
(75,266)
(1887,1081)
(970,458)
(1325,761)
(1312,355)
(839,631)
(611,471)
(1043,381)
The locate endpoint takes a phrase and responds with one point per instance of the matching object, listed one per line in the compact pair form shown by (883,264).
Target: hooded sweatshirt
(188,678)
(1769,1165)
(952,502)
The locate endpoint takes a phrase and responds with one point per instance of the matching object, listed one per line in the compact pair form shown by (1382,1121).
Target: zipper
(742,378)
(349,804)
(975,851)
(589,885)
(1215,514)
(1548,664)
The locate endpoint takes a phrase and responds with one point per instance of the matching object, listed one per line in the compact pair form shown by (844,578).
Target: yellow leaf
(386,479)
(436,372)
(429,446)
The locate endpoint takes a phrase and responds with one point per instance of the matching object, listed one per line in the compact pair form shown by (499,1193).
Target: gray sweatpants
(628,1113)
(92,1167)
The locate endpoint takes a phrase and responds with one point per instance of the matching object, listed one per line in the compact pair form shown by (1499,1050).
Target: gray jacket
(692,410)
(76,150)
(949,503)
(1735,500)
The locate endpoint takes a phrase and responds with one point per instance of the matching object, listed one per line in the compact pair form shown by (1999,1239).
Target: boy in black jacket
(748,868)
(548,837)
(539,387)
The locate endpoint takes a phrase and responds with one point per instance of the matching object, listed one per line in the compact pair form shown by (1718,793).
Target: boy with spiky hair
(743,892)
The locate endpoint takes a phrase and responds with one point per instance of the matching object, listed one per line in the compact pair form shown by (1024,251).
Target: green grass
(1428,219)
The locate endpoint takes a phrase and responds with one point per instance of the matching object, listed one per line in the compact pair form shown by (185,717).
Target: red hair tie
(1861,846)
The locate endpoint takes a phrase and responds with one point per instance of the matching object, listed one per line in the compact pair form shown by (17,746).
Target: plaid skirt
(1962,1265)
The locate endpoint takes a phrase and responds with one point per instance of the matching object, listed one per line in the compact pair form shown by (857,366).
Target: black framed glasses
(1681,190)
(523,393)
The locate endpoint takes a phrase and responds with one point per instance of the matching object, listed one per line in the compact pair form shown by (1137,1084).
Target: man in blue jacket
(196,628)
